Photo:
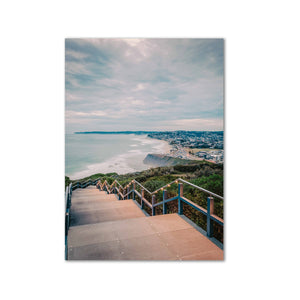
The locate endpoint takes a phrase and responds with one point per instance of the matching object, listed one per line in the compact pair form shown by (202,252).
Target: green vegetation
(92,177)
(204,174)
(67,181)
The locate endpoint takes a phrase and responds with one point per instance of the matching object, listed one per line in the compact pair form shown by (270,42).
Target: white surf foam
(128,162)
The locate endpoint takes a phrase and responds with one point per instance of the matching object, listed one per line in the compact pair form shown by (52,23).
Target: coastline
(167,147)
(128,161)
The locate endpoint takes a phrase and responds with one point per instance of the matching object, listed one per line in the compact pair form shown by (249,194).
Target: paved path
(104,228)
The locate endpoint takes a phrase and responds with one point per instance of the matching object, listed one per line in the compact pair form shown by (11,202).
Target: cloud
(133,42)
(139,87)
(75,54)
(192,124)
(70,114)
(144,83)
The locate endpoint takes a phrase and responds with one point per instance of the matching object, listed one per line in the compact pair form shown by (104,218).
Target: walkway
(104,228)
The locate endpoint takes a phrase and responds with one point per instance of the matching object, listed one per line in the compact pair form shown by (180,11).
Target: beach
(88,154)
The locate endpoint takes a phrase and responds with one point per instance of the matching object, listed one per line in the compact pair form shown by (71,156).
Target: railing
(68,195)
(82,185)
(134,188)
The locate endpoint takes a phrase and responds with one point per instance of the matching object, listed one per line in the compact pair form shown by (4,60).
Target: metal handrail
(82,183)
(211,194)
(127,190)
(201,189)
(109,186)
(166,185)
(129,193)
(142,187)
(68,196)
(116,181)
(174,181)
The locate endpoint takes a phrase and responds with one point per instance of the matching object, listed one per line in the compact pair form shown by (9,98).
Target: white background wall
(262,194)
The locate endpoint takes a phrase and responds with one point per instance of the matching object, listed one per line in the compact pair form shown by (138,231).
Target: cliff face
(159,160)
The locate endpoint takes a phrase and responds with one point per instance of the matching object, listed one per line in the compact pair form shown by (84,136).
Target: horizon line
(127,131)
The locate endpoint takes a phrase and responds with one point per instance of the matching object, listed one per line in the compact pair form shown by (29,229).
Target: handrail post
(67,197)
(67,221)
(153,208)
(127,192)
(121,190)
(180,194)
(142,202)
(164,204)
(210,211)
(67,225)
(70,194)
(133,193)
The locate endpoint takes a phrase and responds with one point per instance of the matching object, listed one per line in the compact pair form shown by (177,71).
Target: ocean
(87,154)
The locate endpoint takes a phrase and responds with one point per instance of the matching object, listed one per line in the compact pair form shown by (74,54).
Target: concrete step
(105,212)
(94,198)
(99,204)
(88,192)
(90,187)
(164,237)
(105,228)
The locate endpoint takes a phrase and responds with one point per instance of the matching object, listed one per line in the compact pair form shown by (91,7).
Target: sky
(144,84)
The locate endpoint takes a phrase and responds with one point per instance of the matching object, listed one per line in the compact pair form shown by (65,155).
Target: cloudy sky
(144,84)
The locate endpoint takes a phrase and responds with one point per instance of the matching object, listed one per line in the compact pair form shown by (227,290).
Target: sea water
(87,154)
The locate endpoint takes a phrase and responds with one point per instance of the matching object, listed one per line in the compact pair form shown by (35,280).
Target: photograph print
(144,149)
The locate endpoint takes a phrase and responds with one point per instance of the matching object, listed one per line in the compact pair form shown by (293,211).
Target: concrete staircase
(105,228)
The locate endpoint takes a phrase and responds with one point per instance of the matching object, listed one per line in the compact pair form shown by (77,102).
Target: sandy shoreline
(127,162)
(166,148)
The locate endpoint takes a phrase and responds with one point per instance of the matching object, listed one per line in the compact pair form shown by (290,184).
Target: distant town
(195,145)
